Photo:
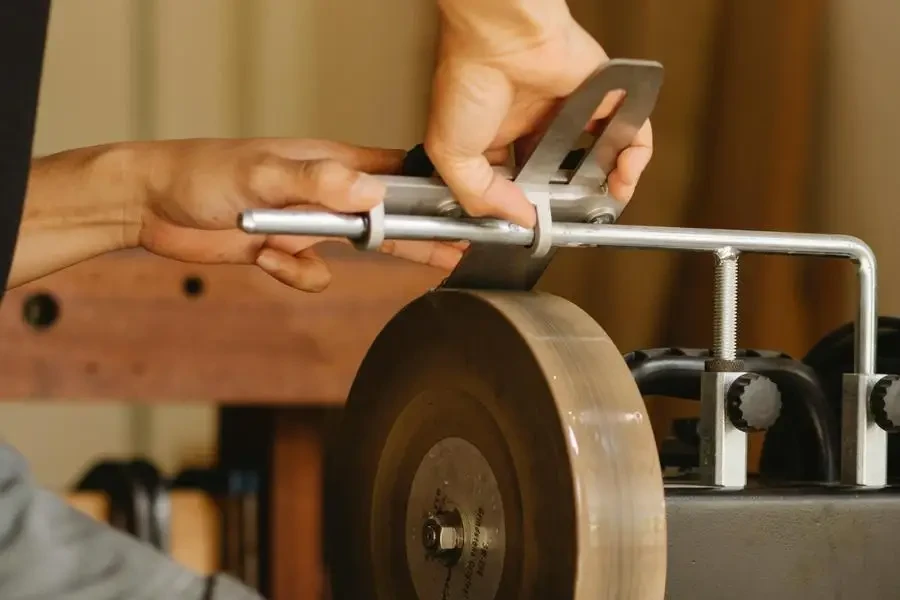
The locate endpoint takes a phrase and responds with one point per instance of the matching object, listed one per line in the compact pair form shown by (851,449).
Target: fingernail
(367,190)
(266,261)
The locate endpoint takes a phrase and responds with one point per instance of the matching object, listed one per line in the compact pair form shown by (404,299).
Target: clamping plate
(495,446)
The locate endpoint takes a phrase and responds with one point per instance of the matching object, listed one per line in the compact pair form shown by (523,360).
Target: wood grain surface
(136,327)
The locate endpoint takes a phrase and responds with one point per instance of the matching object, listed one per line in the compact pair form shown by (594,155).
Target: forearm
(80,204)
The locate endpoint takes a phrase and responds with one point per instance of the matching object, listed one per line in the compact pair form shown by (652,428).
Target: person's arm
(502,67)
(181,199)
(79,204)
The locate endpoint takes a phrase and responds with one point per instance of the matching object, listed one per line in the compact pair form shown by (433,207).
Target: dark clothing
(48,550)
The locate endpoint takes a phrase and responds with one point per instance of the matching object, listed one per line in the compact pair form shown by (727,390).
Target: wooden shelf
(129,329)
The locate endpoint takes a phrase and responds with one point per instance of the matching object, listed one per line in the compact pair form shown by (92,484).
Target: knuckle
(436,150)
(261,172)
(330,176)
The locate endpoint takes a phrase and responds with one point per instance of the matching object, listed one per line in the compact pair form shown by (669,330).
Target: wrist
(117,174)
(80,203)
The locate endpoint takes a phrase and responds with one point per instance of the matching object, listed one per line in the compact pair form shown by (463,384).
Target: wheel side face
(491,375)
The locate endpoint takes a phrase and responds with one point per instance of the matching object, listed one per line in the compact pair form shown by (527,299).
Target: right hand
(503,66)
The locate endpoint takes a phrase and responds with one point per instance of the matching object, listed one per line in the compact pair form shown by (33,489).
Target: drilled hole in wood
(40,311)
(193,286)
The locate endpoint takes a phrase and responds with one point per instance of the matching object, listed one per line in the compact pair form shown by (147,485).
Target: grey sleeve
(49,550)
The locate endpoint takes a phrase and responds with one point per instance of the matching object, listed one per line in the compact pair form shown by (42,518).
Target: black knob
(753,402)
(885,401)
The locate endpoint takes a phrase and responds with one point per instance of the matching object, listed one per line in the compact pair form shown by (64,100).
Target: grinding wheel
(494,446)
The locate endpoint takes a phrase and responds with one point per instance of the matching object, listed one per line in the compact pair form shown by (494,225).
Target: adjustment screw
(885,402)
(753,402)
(725,305)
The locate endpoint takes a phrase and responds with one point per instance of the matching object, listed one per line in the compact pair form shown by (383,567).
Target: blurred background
(774,115)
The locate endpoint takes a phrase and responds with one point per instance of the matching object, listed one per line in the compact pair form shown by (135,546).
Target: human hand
(502,67)
(197,189)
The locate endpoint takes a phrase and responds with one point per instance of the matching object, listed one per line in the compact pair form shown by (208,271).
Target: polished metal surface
(455,479)
(723,447)
(863,441)
(534,384)
(430,197)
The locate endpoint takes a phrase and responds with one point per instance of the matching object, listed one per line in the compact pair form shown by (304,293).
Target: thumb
(470,103)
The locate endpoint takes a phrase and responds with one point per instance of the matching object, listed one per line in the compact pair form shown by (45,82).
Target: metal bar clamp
(488,266)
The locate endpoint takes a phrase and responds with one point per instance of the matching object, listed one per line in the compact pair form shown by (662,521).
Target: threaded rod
(725,305)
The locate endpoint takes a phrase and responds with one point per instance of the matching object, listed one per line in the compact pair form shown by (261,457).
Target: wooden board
(136,327)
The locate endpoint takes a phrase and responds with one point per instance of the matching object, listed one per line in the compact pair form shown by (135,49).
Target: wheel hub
(454,522)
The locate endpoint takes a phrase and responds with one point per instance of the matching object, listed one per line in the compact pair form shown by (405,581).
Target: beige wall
(356,70)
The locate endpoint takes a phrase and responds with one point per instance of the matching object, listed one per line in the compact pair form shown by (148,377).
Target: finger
(305,271)
(469,106)
(435,254)
(294,244)
(631,164)
(610,102)
(360,158)
(216,246)
(279,182)
(497,156)
(460,245)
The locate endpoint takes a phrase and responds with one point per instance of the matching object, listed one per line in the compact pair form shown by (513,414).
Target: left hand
(197,188)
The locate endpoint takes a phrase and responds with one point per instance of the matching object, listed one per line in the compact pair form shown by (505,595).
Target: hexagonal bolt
(443,535)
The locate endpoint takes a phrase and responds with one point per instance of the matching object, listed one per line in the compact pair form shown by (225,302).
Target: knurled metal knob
(753,402)
(885,399)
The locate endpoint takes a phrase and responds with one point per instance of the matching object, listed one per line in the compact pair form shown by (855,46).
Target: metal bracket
(723,447)
(863,441)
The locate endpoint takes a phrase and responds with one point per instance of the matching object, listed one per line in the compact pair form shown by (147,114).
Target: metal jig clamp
(564,185)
